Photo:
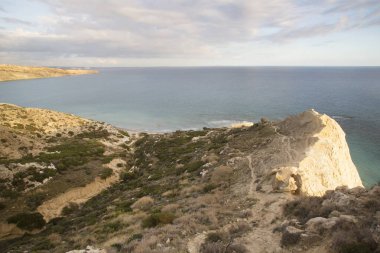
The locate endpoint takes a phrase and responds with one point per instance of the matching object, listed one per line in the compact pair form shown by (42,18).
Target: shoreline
(15,72)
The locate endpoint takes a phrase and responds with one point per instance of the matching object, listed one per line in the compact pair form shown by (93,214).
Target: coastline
(16,72)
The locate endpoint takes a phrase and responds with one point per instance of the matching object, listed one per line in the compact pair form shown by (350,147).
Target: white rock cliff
(309,156)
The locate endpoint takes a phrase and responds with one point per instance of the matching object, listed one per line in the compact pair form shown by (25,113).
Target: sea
(163,99)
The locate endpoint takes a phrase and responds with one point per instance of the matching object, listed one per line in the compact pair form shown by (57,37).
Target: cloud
(177,29)
(15,21)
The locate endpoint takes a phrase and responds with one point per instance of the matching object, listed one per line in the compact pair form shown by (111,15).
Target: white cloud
(150,29)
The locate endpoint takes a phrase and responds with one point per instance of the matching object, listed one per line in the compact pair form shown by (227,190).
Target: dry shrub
(221,174)
(288,239)
(307,208)
(170,208)
(221,247)
(143,203)
(213,247)
(191,189)
(238,229)
(245,214)
(156,219)
(351,238)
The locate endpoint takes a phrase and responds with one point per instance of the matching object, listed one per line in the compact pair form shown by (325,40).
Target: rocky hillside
(84,186)
(14,72)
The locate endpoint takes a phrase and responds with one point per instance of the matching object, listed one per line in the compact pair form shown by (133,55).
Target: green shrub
(106,173)
(127,176)
(156,219)
(70,208)
(40,177)
(27,221)
(209,187)
(125,133)
(136,237)
(43,245)
(112,227)
(117,246)
(33,201)
(190,167)
(125,206)
(94,134)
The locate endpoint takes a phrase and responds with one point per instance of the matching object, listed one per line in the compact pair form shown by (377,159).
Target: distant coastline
(15,72)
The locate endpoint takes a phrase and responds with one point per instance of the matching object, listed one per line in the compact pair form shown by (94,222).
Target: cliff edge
(309,156)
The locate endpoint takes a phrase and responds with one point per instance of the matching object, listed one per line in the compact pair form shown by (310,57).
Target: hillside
(287,186)
(14,72)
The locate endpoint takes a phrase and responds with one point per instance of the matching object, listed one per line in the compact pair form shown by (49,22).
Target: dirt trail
(53,207)
(265,212)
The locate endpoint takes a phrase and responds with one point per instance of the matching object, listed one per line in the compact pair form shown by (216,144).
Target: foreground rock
(14,72)
(269,187)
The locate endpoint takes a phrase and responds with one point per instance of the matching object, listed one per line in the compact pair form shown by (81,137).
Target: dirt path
(53,207)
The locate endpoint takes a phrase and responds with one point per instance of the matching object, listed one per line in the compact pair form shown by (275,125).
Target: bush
(2,206)
(125,206)
(126,176)
(135,237)
(350,238)
(70,208)
(209,187)
(307,208)
(33,201)
(217,237)
(220,247)
(112,227)
(143,203)
(106,173)
(43,245)
(27,221)
(156,219)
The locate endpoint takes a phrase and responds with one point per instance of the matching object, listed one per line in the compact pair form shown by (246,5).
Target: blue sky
(190,33)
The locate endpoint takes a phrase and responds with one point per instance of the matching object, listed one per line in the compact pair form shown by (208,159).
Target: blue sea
(167,99)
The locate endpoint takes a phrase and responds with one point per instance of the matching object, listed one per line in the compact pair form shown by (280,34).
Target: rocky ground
(15,72)
(269,187)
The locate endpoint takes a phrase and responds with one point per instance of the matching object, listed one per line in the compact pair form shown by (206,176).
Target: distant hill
(15,72)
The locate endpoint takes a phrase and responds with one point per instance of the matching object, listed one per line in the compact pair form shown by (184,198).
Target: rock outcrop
(309,156)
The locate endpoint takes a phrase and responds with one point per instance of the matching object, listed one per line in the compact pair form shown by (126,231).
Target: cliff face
(213,190)
(309,155)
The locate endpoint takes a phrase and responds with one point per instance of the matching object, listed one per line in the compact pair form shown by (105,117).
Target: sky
(113,33)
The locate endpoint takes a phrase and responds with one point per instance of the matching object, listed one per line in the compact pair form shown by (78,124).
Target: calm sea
(166,99)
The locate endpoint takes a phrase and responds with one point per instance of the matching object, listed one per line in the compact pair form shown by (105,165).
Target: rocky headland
(69,184)
(14,72)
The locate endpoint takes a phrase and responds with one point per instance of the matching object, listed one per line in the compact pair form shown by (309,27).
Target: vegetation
(106,173)
(70,208)
(155,219)
(27,221)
